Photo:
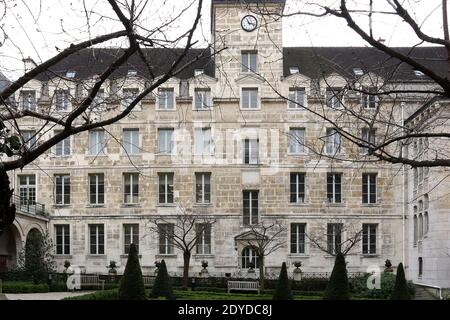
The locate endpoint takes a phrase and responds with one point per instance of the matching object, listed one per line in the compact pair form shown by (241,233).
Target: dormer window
(202,98)
(62,100)
(71,74)
(132,73)
(419,74)
(198,72)
(28,100)
(358,72)
(294,70)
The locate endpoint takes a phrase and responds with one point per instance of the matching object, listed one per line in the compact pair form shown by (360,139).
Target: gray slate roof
(314,62)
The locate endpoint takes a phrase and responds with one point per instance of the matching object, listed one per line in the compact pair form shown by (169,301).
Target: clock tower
(248,35)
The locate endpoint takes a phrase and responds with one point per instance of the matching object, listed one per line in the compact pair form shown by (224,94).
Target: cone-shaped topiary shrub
(162,286)
(283,290)
(338,288)
(132,284)
(401,291)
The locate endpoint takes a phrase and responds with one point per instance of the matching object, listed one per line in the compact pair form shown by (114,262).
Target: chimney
(29,64)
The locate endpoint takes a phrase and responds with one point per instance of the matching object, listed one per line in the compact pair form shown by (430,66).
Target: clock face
(249,23)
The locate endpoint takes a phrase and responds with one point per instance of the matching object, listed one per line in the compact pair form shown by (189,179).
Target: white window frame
(297,238)
(368,235)
(201,241)
(63,238)
(333,142)
(169,144)
(64,178)
(66,103)
(366,99)
(128,98)
(168,242)
(205,177)
(28,103)
(99,147)
(130,236)
(162,92)
(132,195)
(165,176)
(294,146)
(368,136)
(132,145)
(253,151)
(97,187)
(258,102)
(97,237)
(246,61)
(369,175)
(334,193)
(297,187)
(333,95)
(63,146)
(204,94)
(201,141)
(294,103)
(250,207)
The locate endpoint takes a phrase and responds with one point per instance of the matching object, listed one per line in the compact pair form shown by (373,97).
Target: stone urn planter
(388,266)
(251,273)
(112,272)
(297,271)
(204,272)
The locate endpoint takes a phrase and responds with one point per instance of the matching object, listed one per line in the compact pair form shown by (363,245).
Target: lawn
(191,295)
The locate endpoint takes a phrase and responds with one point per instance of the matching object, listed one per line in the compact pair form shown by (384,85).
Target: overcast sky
(37,28)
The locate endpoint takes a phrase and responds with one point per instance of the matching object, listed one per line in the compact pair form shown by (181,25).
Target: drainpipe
(403,197)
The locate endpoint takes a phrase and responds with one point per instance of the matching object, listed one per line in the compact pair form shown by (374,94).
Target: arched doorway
(249,257)
(10,245)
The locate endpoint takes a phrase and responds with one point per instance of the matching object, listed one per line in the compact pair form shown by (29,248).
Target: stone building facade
(222,141)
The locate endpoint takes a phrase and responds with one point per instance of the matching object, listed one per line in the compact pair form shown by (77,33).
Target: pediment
(249,235)
(250,78)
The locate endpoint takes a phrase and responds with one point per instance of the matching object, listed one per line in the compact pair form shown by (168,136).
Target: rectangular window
(165,187)
(203,187)
(165,141)
(334,187)
(62,189)
(369,98)
(368,137)
(251,151)
(333,141)
(27,190)
(334,237)
(249,61)
(62,238)
(62,148)
(166,232)
(203,244)
(296,98)
(249,98)
(131,188)
(250,206)
(369,239)
(298,238)
(202,98)
(334,98)
(28,100)
(99,99)
(166,99)
(296,140)
(131,141)
(203,141)
(97,142)
(297,187)
(62,100)
(97,189)
(96,239)
(29,138)
(131,235)
(129,94)
(369,188)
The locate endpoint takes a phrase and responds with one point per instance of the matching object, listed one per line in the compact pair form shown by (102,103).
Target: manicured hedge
(112,294)
(359,287)
(23,287)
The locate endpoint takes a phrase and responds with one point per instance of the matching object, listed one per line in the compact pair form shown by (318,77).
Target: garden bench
(148,281)
(88,280)
(243,285)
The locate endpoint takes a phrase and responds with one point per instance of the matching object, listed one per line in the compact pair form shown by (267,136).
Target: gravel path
(44,296)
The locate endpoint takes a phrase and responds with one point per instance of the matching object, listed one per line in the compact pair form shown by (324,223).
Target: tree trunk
(7,210)
(187,259)
(261,272)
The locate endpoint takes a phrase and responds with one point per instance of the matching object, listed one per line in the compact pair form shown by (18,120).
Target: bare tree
(183,231)
(265,239)
(336,237)
(378,85)
(18,150)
